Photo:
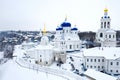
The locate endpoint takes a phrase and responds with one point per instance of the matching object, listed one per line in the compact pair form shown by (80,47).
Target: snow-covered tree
(8,51)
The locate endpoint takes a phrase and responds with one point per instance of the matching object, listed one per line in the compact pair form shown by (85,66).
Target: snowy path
(12,71)
(61,73)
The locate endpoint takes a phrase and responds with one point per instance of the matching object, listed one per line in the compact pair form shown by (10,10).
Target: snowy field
(12,71)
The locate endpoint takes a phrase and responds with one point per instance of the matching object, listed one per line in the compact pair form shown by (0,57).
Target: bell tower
(105,20)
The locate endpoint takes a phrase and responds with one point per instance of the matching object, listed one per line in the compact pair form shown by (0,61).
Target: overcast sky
(33,14)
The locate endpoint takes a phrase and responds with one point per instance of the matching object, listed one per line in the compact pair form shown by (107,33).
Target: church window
(46,62)
(87,66)
(101,34)
(90,66)
(101,24)
(94,66)
(63,31)
(111,70)
(117,71)
(111,63)
(106,36)
(113,36)
(61,42)
(77,46)
(70,46)
(109,36)
(98,66)
(102,67)
(117,63)
(98,60)
(95,60)
(87,60)
(108,25)
(91,60)
(102,60)
(104,24)
(66,31)
(40,60)
(40,56)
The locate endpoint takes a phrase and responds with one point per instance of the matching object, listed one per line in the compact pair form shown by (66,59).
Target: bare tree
(8,51)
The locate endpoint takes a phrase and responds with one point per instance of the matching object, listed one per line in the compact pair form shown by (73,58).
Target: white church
(43,53)
(107,57)
(105,35)
(66,37)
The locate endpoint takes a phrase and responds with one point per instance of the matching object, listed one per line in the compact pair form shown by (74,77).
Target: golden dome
(44,30)
(105,10)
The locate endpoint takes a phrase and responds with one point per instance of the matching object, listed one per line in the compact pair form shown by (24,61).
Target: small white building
(105,35)
(106,59)
(66,37)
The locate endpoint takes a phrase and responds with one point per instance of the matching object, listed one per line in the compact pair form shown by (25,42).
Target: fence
(62,73)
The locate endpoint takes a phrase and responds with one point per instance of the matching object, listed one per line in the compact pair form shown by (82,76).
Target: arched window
(40,60)
(101,24)
(95,60)
(109,36)
(113,36)
(104,24)
(46,62)
(111,63)
(66,31)
(77,46)
(101,34)
(108,24)
(106,36)
(70,46)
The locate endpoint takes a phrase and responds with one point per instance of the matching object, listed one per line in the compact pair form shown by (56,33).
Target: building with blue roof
(66,37)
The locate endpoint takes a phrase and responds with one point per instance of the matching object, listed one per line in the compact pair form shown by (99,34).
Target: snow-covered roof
(71,38)
(107,52)
(57,50)
(43,47)
(28,43)
(110,31)
(98,75)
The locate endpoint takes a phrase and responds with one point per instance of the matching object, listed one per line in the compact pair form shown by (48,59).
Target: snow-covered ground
(1,55)
(12,71)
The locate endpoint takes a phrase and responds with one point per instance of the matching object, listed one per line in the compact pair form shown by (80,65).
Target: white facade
(66,38)
(104,59)
(44,53)
(105,35)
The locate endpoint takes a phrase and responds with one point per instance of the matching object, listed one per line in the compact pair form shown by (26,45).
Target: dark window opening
(101,34)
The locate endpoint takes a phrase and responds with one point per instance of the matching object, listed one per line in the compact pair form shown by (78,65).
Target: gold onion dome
(105,10)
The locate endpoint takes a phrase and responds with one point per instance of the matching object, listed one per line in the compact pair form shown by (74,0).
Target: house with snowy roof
(106,59)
